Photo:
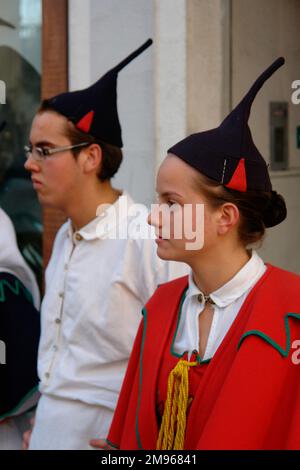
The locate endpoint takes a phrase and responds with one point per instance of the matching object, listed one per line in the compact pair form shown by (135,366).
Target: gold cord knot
(172,430)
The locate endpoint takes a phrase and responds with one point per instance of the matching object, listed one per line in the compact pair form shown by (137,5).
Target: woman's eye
(171,203)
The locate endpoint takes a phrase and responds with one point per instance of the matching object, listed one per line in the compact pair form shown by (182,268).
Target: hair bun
(275,211)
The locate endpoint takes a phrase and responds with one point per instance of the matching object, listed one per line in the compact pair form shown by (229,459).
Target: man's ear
(92,158)
(229,216)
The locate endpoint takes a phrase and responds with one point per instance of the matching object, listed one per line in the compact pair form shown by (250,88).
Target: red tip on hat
(238,180)
(85,123)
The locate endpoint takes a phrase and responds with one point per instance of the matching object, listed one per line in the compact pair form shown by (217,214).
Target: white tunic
(228,300)
(95,290)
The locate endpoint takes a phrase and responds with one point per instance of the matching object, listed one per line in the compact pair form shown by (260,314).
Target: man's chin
(46,203)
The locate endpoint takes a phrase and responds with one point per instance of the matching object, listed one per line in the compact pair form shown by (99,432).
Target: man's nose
(31,165)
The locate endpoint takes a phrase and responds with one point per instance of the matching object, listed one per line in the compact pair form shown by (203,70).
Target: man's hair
(111,155)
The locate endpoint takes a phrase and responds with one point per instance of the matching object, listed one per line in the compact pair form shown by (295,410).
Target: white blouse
(228,300)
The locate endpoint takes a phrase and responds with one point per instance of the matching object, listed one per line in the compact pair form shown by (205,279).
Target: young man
(95,285)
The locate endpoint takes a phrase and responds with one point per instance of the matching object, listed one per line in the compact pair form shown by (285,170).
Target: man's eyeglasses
(41,153)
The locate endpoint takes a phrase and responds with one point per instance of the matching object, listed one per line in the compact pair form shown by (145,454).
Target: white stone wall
(102,33)
(170,74)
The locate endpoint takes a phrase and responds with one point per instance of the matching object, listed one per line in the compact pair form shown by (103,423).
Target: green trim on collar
(12,412)
(138,437)
(206,361)
(111,444)
(283,352)
(17,289)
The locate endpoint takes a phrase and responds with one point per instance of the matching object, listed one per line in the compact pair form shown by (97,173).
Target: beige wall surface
(282,243)
(269,29)
(208,64)
(229,43)
(262,31)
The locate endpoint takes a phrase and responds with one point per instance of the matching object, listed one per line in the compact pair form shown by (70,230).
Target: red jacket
(249,395)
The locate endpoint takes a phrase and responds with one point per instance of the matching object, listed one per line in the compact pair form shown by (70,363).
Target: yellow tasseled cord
(172,429)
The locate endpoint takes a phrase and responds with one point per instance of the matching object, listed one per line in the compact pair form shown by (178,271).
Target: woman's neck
(212,271)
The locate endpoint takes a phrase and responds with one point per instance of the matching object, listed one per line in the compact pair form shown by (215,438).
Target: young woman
(212,366)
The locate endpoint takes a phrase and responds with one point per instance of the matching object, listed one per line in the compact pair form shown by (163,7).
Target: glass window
(20,59)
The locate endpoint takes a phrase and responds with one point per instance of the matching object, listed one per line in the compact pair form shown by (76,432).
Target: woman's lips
(159,240)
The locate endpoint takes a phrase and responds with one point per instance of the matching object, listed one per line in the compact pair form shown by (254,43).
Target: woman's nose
(154,217)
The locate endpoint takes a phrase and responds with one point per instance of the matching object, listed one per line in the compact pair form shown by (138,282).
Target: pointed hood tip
(268,72)
(148,43)
(249,97)
(132,56)
(279,62)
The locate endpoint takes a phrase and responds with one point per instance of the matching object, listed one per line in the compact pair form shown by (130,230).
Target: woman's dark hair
(111,155)
(258,210)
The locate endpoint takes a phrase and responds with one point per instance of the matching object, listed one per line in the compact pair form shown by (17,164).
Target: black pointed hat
(94,109)
(227,154)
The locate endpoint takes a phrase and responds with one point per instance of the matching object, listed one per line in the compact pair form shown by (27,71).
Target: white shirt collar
(237,286)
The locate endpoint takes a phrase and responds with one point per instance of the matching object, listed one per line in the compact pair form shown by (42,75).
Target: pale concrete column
(170,74)
(208,63)
(79,44)
(2,92)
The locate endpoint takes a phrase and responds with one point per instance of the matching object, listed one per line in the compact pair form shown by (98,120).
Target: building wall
(229,43)
(204,58)
(268,30)
(170,74)
(208,63)
(102,33)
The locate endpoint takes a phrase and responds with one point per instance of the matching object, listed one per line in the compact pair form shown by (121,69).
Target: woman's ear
(228,217)
(93,158)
